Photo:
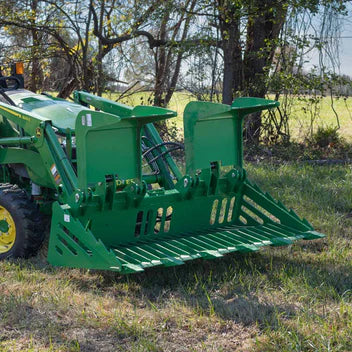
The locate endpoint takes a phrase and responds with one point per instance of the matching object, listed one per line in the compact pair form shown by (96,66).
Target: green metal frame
(105,217)
(149,130)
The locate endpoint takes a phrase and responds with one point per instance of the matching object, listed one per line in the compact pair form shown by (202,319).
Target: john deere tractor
(116,197)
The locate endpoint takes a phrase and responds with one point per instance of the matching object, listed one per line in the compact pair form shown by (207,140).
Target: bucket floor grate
(175,250)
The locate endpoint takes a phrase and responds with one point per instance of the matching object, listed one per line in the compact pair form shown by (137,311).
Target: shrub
(326,136)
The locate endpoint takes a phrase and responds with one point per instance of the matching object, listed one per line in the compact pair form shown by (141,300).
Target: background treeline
(214,49)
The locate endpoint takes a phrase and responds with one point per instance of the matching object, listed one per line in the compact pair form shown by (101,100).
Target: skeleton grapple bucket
(109,212)
(118,219)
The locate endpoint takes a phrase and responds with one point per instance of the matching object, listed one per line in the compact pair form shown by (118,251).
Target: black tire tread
(34,233)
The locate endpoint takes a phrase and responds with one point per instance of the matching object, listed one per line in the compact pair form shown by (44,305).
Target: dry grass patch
(69,310)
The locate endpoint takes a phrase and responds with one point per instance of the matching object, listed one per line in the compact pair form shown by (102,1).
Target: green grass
(296,298)
(300,117)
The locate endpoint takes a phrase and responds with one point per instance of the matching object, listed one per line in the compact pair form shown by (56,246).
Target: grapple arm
(148,130)
(214,132)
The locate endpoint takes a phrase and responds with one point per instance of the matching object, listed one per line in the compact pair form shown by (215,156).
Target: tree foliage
(216,49)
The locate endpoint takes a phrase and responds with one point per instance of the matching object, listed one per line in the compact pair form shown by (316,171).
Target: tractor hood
(62,113)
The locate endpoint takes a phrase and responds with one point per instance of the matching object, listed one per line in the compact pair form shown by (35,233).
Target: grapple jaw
(121,224)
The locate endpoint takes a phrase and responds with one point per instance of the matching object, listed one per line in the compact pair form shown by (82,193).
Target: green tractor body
(109,210)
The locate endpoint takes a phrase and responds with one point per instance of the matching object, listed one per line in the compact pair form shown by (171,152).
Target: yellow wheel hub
(7,230)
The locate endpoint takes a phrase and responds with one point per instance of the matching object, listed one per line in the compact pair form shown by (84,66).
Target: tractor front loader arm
(42,144)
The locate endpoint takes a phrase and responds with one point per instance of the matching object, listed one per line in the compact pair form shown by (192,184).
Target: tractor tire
(20,220)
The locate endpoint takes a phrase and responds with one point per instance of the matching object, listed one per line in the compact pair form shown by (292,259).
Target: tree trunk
(87,82)
(71,82)
(100,73)
(229,23)
(68,88)
(263,29)
(160,63)
(174,79)
(36,72)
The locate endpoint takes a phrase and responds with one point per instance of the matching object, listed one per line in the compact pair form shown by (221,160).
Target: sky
(346,49)
(346,44)
(344,54)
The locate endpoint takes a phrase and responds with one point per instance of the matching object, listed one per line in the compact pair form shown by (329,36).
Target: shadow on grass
(231,287)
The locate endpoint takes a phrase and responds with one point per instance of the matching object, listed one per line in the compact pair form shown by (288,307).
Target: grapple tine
(312,235)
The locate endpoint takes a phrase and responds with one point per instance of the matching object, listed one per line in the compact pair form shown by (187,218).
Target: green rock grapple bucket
(110,214)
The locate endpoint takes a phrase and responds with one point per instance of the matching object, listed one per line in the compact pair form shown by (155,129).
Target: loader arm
(43,142)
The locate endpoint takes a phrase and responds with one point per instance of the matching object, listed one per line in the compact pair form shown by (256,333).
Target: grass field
(296,298)
(300,116)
